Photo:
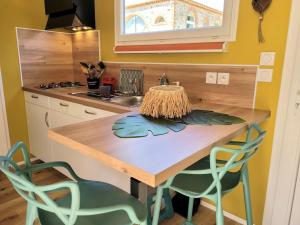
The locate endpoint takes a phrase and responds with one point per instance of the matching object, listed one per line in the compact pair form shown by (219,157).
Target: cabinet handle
(34,96)
(47,119)
(90,113)
(63,105)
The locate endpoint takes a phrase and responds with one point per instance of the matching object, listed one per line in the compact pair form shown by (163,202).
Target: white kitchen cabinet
(84,166)
(59,151)
(83,112)
(58,119)
(88,113)
(89,168)
(36,99)
(58,113)
(38,122)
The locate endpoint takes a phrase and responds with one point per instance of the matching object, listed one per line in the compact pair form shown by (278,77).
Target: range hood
(75,15)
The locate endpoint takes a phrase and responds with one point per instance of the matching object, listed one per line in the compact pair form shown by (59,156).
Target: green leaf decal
(139,126)
(205,117)
(135,126)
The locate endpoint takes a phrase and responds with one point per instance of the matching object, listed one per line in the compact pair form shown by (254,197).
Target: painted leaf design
(134,126)
(205,117)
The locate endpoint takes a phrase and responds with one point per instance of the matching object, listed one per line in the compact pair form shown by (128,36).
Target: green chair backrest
(37,196)
(237,161)
(239,157)
(21,181)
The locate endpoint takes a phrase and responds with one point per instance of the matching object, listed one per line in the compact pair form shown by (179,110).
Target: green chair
(211,178)
(87,203)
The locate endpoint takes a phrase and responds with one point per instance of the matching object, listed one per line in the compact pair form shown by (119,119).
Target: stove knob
(43,86)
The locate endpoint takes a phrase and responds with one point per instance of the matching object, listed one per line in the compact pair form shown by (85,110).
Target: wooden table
(152,160)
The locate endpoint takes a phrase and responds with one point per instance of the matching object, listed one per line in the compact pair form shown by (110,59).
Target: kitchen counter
(64,94)
(151,160)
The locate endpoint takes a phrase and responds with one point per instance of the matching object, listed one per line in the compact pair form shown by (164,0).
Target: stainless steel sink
(128,101)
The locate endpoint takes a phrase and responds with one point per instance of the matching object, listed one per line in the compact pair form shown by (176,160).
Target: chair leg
(144,223)
(219,209)
(31,214)
(190,210)
(246,187)
(157,206)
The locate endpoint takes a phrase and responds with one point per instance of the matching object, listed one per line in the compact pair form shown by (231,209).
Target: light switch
(211,77)
(223,78)
(267,58)
(265,75)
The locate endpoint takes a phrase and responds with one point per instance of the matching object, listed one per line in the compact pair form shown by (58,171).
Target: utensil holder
(93,83)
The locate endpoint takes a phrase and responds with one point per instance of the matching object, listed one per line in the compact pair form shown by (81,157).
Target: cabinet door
(58,119)
(38,123)
(61,152)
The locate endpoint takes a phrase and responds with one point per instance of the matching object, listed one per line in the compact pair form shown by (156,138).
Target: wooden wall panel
(54,56)
(240,91)
(86,48)
(45,56)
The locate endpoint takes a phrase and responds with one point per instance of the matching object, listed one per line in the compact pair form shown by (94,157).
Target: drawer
(88,113)
(66,107)
(37,99)
(79,111)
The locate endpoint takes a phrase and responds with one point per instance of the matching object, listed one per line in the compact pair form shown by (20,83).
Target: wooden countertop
(64,94)
(153,160)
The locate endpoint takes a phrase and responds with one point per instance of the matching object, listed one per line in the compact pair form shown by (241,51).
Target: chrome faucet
(136,86)
(163,80)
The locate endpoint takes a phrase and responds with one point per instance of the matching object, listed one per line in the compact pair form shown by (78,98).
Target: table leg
(146,195)
(134,187)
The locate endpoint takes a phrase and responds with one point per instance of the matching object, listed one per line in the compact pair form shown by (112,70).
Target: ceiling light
(87,28)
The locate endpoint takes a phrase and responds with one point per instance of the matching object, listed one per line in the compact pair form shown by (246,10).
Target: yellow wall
(16,13)
(245,50)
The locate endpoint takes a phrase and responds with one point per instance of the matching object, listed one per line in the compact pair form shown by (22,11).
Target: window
(140,22)
(159,20)
(190,22)
(135,24)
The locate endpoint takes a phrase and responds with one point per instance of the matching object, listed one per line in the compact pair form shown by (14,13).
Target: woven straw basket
(167,101)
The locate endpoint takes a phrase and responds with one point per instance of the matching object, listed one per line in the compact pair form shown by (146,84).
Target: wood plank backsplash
(86,48)
(240,91)
(44,56)
(54,57)
(47,56)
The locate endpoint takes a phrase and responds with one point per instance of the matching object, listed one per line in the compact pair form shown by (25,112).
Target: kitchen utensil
(101,65)
(84,68)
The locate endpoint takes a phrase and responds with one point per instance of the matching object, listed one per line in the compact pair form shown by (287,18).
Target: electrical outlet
(211,77)
(267,58)
(265,75)
(224,78)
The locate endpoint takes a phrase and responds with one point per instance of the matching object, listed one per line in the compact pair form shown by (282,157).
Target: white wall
(4,136)
(295,215)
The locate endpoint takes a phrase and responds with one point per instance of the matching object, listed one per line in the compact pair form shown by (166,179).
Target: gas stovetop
(65,84)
